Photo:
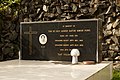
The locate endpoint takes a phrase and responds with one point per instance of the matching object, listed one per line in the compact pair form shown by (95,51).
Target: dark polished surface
(61,37)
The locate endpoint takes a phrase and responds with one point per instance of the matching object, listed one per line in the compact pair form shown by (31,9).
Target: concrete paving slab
(51,70)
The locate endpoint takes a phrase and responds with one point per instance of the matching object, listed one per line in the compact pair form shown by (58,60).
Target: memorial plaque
(53,40)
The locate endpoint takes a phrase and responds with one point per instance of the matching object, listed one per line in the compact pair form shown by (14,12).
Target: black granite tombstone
(53,40)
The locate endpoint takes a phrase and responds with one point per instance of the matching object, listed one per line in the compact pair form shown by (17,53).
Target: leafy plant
(116,74)
(6,3)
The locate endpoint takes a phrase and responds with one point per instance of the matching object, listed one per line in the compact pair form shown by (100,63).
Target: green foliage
(116,75)
(9,8)
(4,4)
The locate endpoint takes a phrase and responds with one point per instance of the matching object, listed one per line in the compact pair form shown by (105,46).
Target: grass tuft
(116,74)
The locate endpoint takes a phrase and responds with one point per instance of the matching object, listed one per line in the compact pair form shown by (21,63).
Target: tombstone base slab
(51,70)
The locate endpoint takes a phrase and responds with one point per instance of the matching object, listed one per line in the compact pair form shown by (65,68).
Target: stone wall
(53,10)
(9,31)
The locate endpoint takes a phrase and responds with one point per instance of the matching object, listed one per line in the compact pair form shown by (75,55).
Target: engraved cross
(30,33)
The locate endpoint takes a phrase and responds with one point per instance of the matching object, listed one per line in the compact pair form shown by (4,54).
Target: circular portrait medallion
(43,39)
